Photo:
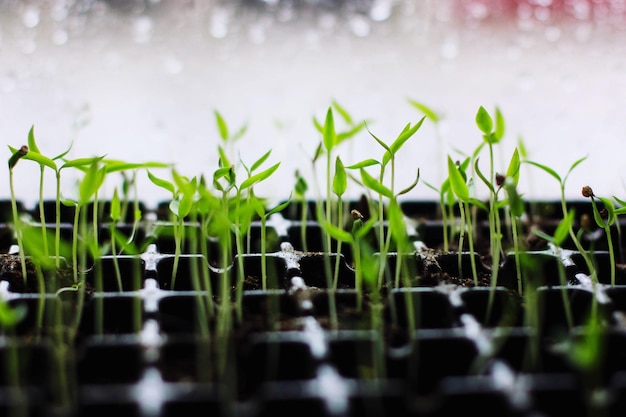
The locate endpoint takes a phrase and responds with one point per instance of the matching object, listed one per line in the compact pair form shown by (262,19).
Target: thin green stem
(57,231)
(42,214)
(75,244)
(18,227)
(470,240)
(263,254)
(339,243)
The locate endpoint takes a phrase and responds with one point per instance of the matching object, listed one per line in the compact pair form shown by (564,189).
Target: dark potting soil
(11,271)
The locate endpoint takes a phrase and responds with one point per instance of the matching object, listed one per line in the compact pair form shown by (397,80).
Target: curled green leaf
(17,155)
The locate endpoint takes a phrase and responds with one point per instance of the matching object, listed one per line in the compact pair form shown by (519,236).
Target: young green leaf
(574,165)
(115,206)
(91,182)
(280,207)
(610,212)
(375,185)
(301,186)
(223,158)
(363,164)
(397,224)
(546,169)
(340,180)
(622,203)
(483,177)
(406,134)
(514,166)
(516,203)
(343,136)
(342,112)
(337,233)
(32,145)
(261,176)
(82,162)
(17,155)
(162,183)
(498,133)
(412,185)
(380,142)
(222,127)
(522,148)
(119,166)
(10,316)
(484,121)
(329,135)
(561,232)
(260,161)
(428,112)
(457,182)
(40,159)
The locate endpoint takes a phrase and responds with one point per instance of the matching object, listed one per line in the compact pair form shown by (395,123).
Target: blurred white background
(139,81)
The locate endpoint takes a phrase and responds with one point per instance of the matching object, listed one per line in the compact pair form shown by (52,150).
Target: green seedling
(116,209)
(331,139)
(183,191)
(560,235)
(377,186)
(43,161)
(447,201)
(227,137)
(360,248)
(244,214)
(458,183)
(94,174)
(586,353)
(259,208)
(514,205)
(15,157)
(300,189)
(339,187)
(252,180)
(604,218)
(562,183)
(493,131)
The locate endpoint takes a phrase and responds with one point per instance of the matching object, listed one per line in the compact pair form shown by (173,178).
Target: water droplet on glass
(8,84)
(142,29)
(327,21)
(380,11)
(218,26)
(59,12)
(543,3)
(256,33)
(569,83)
(28,46)
(30,18)
(524,11)
(583,32)
(450,48)
(526,82)
(581,9)
(285,14)
(59,37)
(542,14)
(477,10)
(359,26)
(514,53)
(552,33)
(173,65)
